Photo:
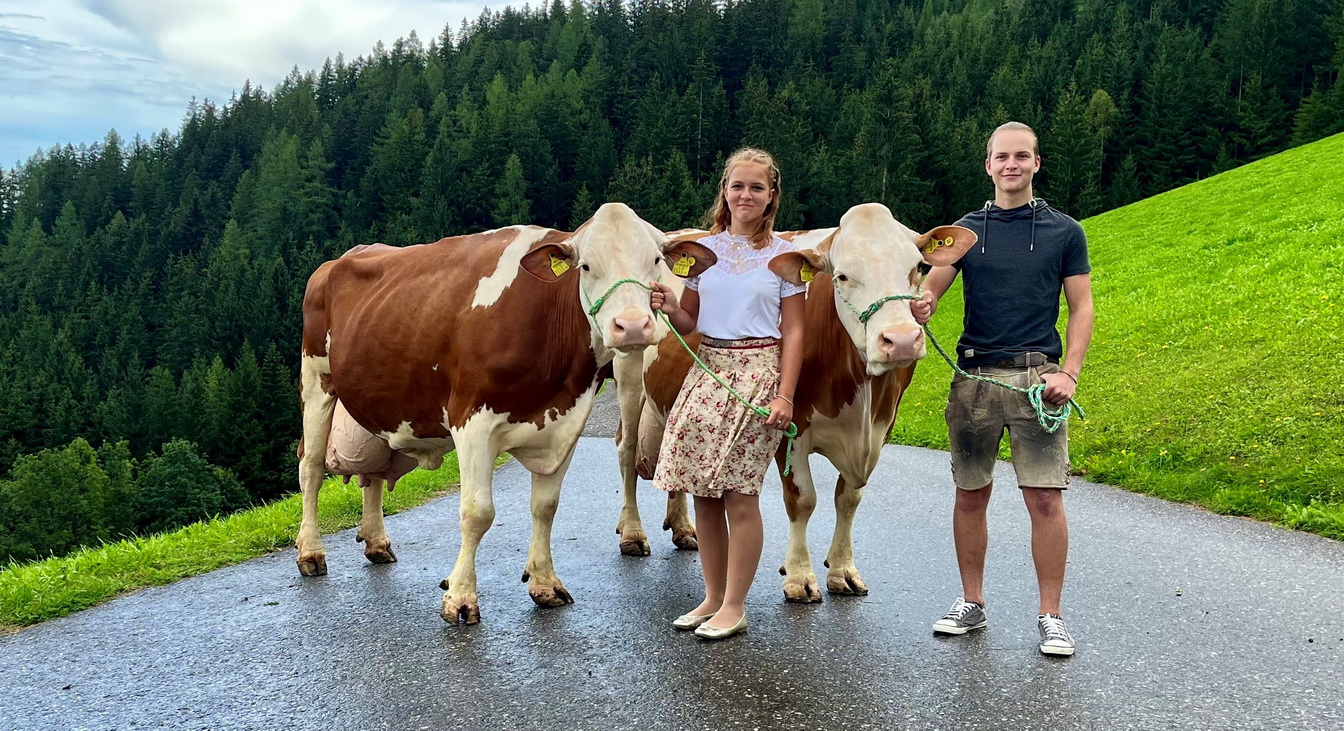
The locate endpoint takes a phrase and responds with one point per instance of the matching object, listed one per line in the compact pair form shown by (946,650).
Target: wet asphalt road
(1184,619)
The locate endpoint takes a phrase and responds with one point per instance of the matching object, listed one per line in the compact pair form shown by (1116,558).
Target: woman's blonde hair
(719,217)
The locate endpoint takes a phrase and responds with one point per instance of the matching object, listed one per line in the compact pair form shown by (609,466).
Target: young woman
(715,447)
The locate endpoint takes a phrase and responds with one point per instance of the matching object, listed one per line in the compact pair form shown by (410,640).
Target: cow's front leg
(545,587)
(800,499)
(372,533)
(476,462)
(843,577)
(630,393)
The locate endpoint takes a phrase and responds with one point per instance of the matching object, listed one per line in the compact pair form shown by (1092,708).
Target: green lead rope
(1049,417)
(791,433)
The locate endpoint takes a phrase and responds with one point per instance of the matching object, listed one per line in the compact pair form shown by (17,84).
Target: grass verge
(1215,376)
(42,590)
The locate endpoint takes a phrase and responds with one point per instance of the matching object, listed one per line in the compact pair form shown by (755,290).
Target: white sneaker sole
(1057,651)
(942,629)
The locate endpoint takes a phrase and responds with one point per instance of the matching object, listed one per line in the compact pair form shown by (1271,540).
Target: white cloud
(262,40)
(70,70)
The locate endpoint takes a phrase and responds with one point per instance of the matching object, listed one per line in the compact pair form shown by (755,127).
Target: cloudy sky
(70,70)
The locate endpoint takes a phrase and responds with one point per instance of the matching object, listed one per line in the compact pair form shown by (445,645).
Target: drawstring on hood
(1034,204)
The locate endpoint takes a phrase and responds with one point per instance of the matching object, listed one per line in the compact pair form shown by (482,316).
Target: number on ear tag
(683,266)
(806,273)
(559,266)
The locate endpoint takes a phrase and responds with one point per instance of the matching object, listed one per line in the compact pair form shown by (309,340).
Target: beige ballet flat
(690,621)
(716,633)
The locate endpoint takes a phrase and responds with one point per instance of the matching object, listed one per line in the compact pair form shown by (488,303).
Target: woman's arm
(790,360)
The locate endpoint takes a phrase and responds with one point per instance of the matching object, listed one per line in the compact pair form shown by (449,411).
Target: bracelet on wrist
(786,398)
(1071,376)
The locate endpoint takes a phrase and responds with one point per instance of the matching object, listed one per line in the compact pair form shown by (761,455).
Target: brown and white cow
(853,375)
(448,346)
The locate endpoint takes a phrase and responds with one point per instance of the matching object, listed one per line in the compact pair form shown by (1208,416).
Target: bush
(180,487)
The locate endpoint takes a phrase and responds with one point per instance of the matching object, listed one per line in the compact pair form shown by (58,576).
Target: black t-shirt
(1012,279)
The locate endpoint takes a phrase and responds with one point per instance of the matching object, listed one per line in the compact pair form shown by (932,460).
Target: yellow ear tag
(805,272)
(683,266)
(949,241)
(559,266)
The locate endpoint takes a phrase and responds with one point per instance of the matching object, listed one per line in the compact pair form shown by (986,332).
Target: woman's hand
(663,299)
(781,414)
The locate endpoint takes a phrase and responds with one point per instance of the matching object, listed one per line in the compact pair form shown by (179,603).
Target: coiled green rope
(1050,418)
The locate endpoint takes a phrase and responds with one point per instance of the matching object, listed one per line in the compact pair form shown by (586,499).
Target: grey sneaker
(963,617)
(1055,639)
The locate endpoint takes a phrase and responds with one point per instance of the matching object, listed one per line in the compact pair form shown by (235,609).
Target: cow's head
(612,246)
(870,258)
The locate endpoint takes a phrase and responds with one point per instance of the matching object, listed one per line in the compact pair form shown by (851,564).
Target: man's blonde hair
(1012,127)
(719,217)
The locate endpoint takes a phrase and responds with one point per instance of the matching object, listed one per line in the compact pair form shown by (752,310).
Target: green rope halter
(1050,418)
(791,433)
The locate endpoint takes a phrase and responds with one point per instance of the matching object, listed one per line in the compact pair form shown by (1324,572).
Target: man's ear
(549,262)
(686,258)
(798,267)
(944,245)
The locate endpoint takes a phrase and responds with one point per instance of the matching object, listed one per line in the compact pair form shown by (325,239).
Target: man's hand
(662,299)
(923,309)
(1059,388)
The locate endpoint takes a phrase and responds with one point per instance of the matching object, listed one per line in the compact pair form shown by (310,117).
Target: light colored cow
(853,374)
(448,346)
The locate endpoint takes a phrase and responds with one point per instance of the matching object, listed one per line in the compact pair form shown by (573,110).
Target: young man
(1026,254)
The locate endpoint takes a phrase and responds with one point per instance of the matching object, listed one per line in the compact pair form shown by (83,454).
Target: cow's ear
(687,258)
(944,245)
(549,262)
(798,267)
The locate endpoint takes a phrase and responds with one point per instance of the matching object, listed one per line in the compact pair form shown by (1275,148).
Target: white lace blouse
(739,296)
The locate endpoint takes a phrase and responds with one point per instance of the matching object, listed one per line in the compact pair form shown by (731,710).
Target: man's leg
(1041,460)
(1049,543)
(974,426)
(970,532)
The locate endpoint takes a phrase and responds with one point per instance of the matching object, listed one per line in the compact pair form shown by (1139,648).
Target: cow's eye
(657,260)
(585,267)
(841,278)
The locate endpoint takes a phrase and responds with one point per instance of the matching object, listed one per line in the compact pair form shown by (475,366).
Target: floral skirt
(714,443)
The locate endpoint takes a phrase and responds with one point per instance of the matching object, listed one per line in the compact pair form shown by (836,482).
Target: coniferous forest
(150,289)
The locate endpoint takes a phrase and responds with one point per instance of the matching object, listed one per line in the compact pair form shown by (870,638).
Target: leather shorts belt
(1022,360)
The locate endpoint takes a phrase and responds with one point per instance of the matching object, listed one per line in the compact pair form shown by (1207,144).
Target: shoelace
(960,611)
(1054,627)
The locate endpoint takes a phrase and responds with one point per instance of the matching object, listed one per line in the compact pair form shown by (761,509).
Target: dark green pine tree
(511,203)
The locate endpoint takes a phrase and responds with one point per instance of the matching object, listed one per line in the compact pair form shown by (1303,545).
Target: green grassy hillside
(1215,375)
(42,590)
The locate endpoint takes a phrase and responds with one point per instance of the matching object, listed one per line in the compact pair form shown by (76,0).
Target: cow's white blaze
(428,451)
(490,288)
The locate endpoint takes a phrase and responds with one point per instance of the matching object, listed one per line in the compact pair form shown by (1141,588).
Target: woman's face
(747,193)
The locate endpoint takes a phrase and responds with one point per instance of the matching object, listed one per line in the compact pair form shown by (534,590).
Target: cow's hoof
(686,540)
(376,553)
(313,564)
(635,543)
(802,591)
(462,610)
(847,583)
(549,595)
